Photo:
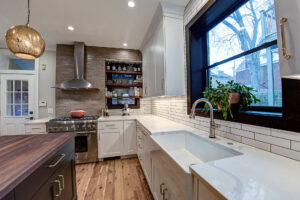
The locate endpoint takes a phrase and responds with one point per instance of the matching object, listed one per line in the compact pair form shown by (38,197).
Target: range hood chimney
(78,83)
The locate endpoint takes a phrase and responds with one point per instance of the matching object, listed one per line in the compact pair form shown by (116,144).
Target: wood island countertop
(21,155)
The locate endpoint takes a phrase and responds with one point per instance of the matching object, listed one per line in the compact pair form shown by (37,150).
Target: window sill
(261,113)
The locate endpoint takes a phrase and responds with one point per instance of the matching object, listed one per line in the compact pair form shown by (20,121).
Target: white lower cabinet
(169,180)
(116,138)
(129,138)
(145,147)
(202,191)
(110,141)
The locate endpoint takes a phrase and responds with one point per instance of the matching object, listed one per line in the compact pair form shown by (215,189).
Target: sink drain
(230,143)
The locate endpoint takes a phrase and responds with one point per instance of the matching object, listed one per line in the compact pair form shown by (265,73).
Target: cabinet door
(289,68)
(159,60)
(174,56)
(111,142)
(129,137)
(157,183)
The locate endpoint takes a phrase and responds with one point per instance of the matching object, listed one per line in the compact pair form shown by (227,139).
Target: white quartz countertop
(255,175)
(39,121)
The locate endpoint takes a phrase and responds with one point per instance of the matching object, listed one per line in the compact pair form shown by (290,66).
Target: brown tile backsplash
(90,101)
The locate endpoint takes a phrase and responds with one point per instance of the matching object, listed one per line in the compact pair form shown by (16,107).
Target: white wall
(46,81)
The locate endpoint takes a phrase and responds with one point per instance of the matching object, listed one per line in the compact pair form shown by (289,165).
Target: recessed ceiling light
(125,44)
(131,4)
(70,28)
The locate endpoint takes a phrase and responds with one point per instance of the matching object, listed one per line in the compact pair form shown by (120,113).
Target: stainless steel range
(86,142)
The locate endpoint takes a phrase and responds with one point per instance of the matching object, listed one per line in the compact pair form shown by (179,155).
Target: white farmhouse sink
(187,148)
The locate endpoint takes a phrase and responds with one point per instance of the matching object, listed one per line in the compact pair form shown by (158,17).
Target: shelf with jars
(124,83)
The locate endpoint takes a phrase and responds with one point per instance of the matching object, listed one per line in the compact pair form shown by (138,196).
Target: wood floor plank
(114,179)
(119,180)
(83,176)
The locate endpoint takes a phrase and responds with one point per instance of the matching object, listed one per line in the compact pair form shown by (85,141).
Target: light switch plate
(43,103)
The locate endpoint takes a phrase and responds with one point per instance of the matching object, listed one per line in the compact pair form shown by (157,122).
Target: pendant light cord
(28,12)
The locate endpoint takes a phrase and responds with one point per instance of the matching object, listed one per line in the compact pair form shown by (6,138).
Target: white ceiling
(106,23)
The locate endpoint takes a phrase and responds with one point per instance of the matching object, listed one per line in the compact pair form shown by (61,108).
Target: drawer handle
(161,188)
(62,180)
(56,188)
(139,137)
(110,125)
(140,146)
(36,128)
(58,161)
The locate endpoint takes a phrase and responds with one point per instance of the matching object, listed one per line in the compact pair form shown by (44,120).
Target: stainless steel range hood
(78,83)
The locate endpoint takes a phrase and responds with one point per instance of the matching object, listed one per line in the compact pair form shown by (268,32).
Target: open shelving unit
(121,81)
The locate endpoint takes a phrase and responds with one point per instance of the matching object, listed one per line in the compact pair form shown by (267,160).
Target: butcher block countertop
(21,155)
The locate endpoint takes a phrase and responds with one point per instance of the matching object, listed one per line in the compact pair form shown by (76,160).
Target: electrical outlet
(50,110)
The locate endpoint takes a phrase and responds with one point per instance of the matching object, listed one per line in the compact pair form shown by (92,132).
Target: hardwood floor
(112,180)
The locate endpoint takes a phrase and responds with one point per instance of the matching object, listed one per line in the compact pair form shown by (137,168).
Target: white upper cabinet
(289,9)
(163,53)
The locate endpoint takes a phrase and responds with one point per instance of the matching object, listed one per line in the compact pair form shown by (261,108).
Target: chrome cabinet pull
(62,180)
(56,188)
(164,194)
(284,52)
(161,188)
(58,161)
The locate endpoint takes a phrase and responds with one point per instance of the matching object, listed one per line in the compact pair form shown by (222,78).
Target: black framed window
(237,40)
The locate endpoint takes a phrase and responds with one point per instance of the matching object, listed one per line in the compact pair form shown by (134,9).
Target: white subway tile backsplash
(243,133)
(233,137)
(273,140)
(286,134)
(257,129)
(286,152)
(295,145)
(257,144)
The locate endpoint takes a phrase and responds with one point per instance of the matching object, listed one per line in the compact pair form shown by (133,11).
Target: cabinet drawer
(35,128)
(110,125)
(31,185)
(60,185)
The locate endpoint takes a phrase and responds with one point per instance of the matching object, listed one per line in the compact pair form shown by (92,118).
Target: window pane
(17,97)
(25,85)
(18,111)
(10,85)
(25,97)
(25,110)
(248,27)
(21,64)
(10,110)
(10,98)
(18,85)
(259,70)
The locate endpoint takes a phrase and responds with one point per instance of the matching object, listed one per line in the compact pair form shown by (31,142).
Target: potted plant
(225,95)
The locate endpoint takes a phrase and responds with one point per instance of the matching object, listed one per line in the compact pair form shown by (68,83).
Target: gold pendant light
(24,41)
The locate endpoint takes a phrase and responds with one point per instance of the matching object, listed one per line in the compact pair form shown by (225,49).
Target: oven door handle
(85,133)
